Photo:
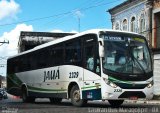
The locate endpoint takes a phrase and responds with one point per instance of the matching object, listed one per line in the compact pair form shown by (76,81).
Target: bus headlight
(110,83)
(150,84)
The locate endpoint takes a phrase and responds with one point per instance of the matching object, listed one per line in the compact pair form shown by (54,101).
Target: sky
(49,16)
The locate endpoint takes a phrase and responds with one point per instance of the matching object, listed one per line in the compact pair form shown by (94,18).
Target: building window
(142,23)
(133,24)
(125,25)
(117,27)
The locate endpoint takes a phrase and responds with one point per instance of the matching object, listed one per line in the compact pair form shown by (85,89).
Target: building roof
(43,34)
(125,3)
(29,40)
(120,5)
(37,38)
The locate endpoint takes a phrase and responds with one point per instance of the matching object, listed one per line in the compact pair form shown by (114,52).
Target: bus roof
(92,31)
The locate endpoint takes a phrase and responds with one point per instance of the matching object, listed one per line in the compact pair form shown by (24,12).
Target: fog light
(150,84)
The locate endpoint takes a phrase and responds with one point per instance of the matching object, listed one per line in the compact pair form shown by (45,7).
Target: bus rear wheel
(25,97)
(76,97)
(116,103)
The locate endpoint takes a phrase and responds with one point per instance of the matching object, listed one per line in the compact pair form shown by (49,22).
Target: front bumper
(110,93)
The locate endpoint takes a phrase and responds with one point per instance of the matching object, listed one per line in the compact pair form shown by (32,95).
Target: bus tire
(55,100)
(75,97)
(25,97)
(115,103)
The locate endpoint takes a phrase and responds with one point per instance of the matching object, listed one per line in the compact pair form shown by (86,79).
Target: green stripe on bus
(89,87)
(14,80)
(42,89)
(119,81)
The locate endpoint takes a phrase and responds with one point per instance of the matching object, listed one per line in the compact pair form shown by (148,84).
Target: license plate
(133,98)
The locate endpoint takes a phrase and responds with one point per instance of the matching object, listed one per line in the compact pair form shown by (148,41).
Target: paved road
(15,105)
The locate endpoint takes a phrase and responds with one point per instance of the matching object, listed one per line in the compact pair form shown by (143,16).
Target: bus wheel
(116,103)
(55,100)
(26,98)
(76,97)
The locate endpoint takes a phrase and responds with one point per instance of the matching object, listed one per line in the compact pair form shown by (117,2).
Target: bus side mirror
(101,51)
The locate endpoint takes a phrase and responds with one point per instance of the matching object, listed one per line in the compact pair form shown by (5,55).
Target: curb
(143,101)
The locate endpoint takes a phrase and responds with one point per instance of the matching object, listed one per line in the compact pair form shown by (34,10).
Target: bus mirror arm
(101,50)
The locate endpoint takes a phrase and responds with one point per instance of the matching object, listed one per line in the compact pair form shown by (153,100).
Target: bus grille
(128,94)
(131,86)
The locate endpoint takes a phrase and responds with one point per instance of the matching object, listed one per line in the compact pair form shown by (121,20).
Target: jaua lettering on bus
(51,75)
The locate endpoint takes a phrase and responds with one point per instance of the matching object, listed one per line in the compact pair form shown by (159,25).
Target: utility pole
(7,42)
(78,15)
(1,65)
(0,83)
(79,24)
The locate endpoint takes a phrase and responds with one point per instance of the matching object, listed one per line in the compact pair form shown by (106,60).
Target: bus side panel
(53,81)
(70,74)
(13,84)
(92,86)
(40,82)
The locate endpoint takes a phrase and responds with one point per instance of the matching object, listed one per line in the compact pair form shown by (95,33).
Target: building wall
(138,10)
(157,74)
(127,14)
(156,24)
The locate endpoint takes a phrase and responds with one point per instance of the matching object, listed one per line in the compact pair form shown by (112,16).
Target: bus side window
(73,52)
(58,55)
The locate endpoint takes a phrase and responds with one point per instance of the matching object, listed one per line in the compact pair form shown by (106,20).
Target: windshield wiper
(139,64)
(134,59)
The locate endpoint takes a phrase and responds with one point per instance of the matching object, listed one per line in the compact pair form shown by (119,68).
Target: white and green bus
(92,65)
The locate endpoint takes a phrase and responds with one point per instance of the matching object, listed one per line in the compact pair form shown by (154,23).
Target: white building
(2,82)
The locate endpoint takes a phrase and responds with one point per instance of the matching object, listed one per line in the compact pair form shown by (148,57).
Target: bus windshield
(126,54)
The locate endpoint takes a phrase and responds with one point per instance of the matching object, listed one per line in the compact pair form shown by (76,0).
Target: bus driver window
(90,63)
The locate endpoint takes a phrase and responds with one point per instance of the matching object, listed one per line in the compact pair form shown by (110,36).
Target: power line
(99,3)
(35,19)
(59,15)
(59,20)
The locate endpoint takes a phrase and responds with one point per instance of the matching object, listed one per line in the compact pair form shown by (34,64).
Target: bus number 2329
(73,74)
